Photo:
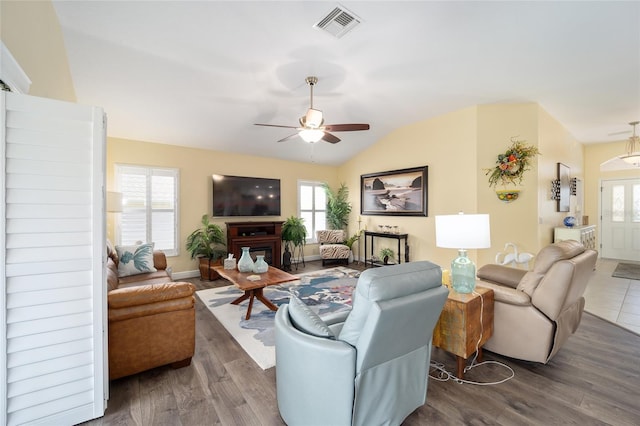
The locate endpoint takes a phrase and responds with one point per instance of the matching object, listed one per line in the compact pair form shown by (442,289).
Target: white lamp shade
(114,202)
(311,135)
(313,118)
(463,231)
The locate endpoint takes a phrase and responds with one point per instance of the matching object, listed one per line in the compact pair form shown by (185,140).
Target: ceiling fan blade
(288,137)
(345,127)
(328,137)
(624,132)
(275,125)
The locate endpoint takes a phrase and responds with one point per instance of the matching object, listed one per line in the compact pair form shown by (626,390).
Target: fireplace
(261,238)
(264,251)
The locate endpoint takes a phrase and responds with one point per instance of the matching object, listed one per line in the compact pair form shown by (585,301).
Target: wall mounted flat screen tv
(245,196)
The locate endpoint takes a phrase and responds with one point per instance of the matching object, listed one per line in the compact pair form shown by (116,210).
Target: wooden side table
(459,327)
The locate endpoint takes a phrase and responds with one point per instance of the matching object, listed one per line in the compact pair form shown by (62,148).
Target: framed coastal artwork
(394,193)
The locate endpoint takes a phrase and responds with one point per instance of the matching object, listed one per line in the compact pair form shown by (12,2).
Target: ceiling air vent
(338,22)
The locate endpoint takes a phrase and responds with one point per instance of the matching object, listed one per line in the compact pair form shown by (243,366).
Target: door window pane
(635,215)
(617,203)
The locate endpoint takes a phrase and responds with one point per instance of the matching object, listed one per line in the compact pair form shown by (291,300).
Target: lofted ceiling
(200,73)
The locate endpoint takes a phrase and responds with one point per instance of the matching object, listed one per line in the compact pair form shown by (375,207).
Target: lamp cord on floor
(444,375)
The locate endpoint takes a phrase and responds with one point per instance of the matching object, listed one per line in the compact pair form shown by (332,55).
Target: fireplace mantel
(258,236)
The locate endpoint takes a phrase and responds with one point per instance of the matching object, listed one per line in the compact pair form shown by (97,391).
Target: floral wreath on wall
(511,165)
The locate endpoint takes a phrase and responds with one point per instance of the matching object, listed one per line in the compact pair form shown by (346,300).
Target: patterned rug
(630,271)
(325,291)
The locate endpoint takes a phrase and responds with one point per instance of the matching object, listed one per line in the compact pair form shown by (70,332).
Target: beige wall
(514,222)
(458,148)
(31,32)
(196,167)
(445,144)
(557,146)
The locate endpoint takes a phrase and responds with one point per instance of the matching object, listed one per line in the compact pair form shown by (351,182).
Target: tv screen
(245,196)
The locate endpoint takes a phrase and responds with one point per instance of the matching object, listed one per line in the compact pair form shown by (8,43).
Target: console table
(261,238)
(399,237)
(584,234)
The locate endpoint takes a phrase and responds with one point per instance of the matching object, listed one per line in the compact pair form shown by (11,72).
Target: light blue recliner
(372,366)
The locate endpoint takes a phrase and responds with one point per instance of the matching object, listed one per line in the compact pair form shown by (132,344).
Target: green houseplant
(208,244)
(386,254)
(338,207)
(294,235)
(349,242)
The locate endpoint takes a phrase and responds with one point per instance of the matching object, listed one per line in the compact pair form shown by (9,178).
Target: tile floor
(613,299)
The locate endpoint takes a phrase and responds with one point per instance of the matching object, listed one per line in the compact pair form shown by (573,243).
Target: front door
(620,219)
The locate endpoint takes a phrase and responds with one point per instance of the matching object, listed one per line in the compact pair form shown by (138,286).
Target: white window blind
(149,206)
(312,206)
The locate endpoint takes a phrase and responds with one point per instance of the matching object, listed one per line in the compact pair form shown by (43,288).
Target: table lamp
(463,231)
(114,202)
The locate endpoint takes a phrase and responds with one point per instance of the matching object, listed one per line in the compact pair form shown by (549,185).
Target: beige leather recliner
(536,311)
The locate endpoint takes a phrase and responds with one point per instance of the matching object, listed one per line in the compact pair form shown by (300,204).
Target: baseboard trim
(184,275)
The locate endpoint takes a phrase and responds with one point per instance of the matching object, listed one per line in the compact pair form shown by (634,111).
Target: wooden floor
(593,380)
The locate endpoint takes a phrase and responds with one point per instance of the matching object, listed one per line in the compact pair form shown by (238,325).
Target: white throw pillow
(134,260)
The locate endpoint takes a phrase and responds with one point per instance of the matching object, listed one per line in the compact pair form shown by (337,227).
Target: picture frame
(564,178)
(400,192)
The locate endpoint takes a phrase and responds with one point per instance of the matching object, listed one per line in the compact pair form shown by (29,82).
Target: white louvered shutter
(53,286)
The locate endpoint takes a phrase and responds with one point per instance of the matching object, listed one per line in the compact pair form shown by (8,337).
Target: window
(312,207)
(149,207)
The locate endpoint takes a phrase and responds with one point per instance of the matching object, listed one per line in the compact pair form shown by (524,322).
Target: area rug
(630,271)
(325,291)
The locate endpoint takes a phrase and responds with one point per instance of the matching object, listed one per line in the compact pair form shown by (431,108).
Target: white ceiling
(200,73)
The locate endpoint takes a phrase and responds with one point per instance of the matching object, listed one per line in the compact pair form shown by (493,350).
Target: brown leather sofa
(536,311)
(151,319)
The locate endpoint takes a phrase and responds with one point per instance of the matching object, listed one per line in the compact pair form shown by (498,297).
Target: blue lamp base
(463,273)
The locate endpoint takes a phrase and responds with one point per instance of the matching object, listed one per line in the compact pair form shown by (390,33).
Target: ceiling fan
(632,156)
(312,128)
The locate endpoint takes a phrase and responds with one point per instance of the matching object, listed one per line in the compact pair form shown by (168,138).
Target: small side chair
(332,247)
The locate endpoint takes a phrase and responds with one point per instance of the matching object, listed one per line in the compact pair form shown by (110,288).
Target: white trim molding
(11,73)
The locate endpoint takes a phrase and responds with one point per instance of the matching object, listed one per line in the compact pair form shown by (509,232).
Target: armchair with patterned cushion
(367,366)
(332,247)
(536,311)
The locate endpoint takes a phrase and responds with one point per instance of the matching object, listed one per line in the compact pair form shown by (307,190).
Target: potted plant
(338,207)
(352,239)
(386,254)
(294,235)
(208,244)
(349,242)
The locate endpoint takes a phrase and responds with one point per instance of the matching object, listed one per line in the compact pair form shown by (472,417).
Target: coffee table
(459,328)
(254,289)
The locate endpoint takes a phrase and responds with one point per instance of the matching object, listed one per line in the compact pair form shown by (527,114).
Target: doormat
(630,271)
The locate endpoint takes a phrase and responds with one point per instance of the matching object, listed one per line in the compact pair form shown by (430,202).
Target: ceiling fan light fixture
(633,156)
(311,135)
(313,118)
(633,159)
